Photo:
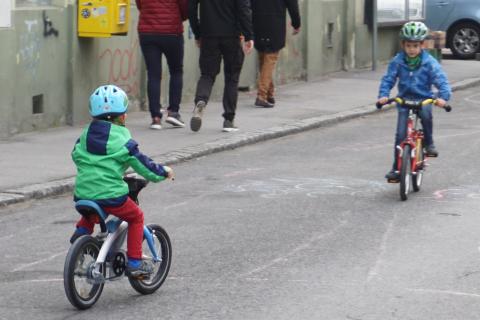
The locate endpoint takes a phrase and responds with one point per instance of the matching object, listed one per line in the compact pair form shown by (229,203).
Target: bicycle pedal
(393,180)
(140,277)
(432,156)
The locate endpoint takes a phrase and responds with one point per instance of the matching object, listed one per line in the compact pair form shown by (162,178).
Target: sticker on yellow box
(85,13)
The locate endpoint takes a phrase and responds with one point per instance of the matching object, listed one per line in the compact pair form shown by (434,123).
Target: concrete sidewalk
(38,164)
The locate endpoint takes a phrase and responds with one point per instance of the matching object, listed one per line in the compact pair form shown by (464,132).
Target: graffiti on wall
(291,58)
(123,67)
(30,44)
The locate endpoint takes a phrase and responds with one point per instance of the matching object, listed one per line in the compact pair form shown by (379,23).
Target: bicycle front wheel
(82,291)
(160,268)
(405,173)
(417,178)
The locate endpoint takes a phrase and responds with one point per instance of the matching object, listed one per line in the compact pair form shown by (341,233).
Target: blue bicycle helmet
(108,101)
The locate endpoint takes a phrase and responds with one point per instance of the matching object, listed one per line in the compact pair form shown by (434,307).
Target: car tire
(464,40)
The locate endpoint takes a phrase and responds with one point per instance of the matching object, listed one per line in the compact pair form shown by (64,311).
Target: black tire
(79,260)
(164,247)
(417,179)
(405,173)
(464,40)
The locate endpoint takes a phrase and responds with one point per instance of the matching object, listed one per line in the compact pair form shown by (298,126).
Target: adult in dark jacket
(269,25)
(160,30)
(218,32)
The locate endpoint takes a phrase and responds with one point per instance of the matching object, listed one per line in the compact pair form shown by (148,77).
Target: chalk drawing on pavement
(311,187)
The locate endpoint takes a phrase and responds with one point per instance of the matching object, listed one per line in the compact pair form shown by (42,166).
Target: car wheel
(464,40)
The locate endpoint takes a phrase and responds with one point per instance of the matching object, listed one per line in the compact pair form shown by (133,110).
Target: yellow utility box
(103,18)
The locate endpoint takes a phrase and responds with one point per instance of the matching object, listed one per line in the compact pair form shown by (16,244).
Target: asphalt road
(302,227)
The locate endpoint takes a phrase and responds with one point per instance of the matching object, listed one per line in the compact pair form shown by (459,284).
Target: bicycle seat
(135,185)
(87,208)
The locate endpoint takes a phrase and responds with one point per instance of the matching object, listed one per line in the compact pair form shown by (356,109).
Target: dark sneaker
(271,100)
(156,123)
(431,151)
(263,104)
(78,233)
(196,121)
(228,126)
(175,120)
(392,176)
(143,271)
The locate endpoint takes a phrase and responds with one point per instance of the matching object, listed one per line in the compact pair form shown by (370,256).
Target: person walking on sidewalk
(218,30)
(102,154)
(416,71)
(160,30)
(269,25)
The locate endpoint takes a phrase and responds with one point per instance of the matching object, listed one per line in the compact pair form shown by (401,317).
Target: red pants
(131,213)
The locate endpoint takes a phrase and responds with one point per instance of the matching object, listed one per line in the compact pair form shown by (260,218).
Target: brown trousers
(268,61)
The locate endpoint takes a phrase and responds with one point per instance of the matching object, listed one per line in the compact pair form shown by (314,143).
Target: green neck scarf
(413,63)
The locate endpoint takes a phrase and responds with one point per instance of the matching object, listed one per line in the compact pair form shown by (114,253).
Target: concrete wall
(7,80)
(388,41)
(65,69)
(325,45)
(34,66)
(97,61)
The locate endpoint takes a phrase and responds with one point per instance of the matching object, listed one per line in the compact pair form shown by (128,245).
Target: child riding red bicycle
(416,71)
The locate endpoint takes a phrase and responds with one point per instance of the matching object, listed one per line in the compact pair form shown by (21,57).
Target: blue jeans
(427,124)
(153,47)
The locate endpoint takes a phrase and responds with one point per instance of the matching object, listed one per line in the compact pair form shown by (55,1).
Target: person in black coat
(218,33)
(269,26)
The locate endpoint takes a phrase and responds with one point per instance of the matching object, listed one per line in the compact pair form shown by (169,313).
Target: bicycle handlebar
(413,105)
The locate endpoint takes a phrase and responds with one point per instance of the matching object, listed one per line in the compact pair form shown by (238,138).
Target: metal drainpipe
(374,35)
(345,35)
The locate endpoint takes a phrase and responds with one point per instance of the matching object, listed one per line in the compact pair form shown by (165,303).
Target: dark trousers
(212,51)
(153,47)
(426,118)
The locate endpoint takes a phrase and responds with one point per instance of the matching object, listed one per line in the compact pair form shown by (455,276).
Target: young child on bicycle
(416,71)
(102,154)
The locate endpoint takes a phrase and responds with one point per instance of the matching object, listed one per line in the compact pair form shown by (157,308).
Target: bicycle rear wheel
(405,173)
(417,178)
(161,268)
(81,290)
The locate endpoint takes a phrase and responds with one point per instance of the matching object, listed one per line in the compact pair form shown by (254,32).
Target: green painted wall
(7,80)
(35,65)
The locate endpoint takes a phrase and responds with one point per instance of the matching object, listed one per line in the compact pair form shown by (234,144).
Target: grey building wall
(62,71)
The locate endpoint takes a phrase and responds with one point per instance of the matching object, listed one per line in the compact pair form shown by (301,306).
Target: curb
(58,187)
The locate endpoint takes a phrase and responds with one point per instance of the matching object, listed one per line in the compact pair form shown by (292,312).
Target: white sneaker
(228,126)
(156,123)
(175,120)
(196,120)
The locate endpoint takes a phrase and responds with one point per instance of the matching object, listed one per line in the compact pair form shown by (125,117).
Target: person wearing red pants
(102,154)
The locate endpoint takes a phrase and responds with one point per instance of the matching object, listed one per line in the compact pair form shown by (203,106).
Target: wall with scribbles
(48,72)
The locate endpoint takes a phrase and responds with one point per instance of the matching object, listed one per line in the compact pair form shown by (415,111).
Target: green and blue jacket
(102,154)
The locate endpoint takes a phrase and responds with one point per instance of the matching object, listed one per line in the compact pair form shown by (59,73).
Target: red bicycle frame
(414,138)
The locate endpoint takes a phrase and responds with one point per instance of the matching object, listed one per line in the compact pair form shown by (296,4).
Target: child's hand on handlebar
(169,172)
(381,102)
(439,102)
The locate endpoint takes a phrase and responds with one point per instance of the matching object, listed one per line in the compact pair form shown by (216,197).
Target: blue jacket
(415,84)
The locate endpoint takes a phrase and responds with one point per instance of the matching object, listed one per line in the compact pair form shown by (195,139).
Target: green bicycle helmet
(414,31)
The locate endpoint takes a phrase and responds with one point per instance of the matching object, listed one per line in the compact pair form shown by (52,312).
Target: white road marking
(383,248)
(42,280)
(454,293)
(301,247)
(22,267)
